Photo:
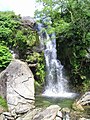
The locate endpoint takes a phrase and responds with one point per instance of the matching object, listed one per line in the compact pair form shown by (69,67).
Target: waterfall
(56,84)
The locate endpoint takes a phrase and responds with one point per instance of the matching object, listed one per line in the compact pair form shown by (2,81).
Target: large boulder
(17,86)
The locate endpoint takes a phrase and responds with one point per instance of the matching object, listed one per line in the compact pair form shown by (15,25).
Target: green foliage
(33,58)
(5,56)
(3,103)
(86,85)
(38,58)
(38,87)
(71,21)
(40,71)
(16,36)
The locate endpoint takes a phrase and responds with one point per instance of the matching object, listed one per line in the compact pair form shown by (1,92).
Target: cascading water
(56,84)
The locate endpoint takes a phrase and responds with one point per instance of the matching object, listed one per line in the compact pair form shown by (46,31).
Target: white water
(56,84)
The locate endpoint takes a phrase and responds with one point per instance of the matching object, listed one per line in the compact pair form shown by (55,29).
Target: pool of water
(42,101)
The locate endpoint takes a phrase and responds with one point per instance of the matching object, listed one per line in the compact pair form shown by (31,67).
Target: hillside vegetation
(22,41)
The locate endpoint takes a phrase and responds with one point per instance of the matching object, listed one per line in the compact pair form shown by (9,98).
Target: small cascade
(56,84)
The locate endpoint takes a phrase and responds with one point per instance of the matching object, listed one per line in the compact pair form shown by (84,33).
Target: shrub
(5,56)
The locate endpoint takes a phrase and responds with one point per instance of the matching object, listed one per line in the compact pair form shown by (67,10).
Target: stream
(42,101)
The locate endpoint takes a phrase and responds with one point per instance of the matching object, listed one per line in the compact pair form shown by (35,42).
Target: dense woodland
(71,23)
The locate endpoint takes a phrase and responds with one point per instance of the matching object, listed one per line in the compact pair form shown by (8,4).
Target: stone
(2,109)
(48,114)
(66,113)
(85,99)
(29,115)
(17,86)
(67,110)
(8,116)
(19,118)
(82,102)
(84,119)
(1,117)
(22,111)
(28,21)
(59,115)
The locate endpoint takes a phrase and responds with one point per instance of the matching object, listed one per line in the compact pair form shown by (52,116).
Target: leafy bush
(20,38)
(15,35)
(5,56)
(38,58)
(86,85)
(40,71)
